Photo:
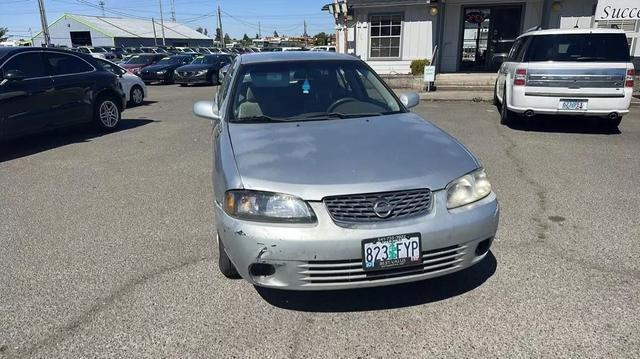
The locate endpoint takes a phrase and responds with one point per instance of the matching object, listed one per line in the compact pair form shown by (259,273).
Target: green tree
(218,35)
(200,30)
(206,32)
(321,39)
(3,32)
(275,34)
(246,40)
(227,39)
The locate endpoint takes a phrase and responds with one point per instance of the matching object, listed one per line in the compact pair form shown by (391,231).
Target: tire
(213,79)
(613,124)
(183,85)
(506,117)
(107,114)
(169,79)
(496,102)
(136,97)
(224,263)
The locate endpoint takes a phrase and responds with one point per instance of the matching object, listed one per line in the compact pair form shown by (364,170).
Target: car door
(72,84)
(508,67)
(25,103)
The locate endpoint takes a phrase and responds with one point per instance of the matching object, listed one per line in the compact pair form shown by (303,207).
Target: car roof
(572,31)
(260,57)
(6,51)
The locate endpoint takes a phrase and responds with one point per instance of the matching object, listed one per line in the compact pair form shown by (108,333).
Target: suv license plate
(391,252)
(573,105)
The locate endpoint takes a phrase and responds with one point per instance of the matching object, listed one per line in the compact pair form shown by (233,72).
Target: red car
(137,62)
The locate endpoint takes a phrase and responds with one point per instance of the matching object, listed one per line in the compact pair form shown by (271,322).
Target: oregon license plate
(391,252)
(573,105)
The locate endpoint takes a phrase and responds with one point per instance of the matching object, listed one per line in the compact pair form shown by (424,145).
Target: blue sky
(239,16)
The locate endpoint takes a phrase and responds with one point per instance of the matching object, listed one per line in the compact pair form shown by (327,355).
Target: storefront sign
(475,17)
(618,10)
(429,74)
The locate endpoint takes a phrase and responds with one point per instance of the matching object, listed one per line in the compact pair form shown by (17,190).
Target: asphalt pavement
(107,250)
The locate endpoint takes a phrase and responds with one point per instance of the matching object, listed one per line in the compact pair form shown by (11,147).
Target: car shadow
(388,297)
(565,124)
(49,139)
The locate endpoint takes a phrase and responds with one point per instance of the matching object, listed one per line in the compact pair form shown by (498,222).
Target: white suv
(567,71)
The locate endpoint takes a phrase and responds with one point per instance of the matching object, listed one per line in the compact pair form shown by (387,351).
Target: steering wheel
(341,101)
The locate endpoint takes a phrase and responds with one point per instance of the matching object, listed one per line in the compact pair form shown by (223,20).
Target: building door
(487,36)
(80,38)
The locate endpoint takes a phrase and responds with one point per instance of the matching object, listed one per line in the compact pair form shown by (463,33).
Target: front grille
(350,271)
(360,207)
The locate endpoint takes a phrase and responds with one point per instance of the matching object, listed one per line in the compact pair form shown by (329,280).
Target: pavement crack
(58,334)
(538,217)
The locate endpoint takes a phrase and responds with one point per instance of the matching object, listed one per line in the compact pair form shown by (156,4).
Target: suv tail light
(521,77)
(629,81)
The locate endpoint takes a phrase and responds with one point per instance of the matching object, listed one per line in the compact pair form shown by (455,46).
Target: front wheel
(107,114)
(224,263)
(137,96)
(213,79)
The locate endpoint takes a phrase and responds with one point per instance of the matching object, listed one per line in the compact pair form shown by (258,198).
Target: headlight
(201,72)
(161,72)
(468,189)
(267,207)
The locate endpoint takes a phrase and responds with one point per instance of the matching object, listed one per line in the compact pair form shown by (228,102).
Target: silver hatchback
(324,180)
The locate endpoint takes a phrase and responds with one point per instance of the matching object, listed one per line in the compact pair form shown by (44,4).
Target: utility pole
(155,37)
(259,30)
(162,24)
(221,32)
(173,10)
(101,3)
(306,36)
(45,26)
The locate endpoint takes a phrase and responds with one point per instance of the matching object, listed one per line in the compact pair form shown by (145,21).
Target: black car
(203,70)
(44,87)
(163,71)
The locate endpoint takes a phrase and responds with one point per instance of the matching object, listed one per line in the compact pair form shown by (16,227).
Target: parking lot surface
(107,249)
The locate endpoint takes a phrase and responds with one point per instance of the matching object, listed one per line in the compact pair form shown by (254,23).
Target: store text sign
(618,10)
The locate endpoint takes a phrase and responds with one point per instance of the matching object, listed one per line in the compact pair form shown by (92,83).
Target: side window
(30,64)
(226,83)
(110,67)
(63,64)
(522,49)
(514,49)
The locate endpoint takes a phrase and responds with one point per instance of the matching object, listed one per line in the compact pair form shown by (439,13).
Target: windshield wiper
(329,115)
(259,119)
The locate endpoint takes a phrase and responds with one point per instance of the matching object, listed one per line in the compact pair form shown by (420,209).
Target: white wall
(453,23)
(574,8)
(60,29)
(417,40)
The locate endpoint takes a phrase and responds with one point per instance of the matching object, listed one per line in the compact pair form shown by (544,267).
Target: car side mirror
(14,75)
(410,99)
(206,109)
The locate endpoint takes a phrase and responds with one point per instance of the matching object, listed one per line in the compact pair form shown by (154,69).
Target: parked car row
(47,87)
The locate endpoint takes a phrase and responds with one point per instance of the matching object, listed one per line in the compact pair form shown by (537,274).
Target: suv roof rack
(535,28)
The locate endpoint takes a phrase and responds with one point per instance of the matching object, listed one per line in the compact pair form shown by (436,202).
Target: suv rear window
(579,47)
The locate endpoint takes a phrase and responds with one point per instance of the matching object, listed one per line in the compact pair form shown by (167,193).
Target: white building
(468,34)
(79,30)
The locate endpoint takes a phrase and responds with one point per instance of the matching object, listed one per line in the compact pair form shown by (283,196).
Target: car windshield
(97,49)
(310,90)
(140,60)
(579,47)
(209,60)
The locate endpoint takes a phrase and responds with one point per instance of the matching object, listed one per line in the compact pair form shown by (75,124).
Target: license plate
(391,252)
(573,105)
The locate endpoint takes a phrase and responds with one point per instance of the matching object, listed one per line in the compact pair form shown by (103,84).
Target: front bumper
(324,256)
(152,77)
(191,79)
(546,101)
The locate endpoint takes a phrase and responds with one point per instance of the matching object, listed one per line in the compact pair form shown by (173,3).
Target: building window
(385,36)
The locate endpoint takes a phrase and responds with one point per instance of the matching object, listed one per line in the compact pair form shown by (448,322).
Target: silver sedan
(323,179)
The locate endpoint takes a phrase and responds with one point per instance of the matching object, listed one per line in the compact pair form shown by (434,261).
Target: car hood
(132,66)
(154,68)
(316,159)
(194,67)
